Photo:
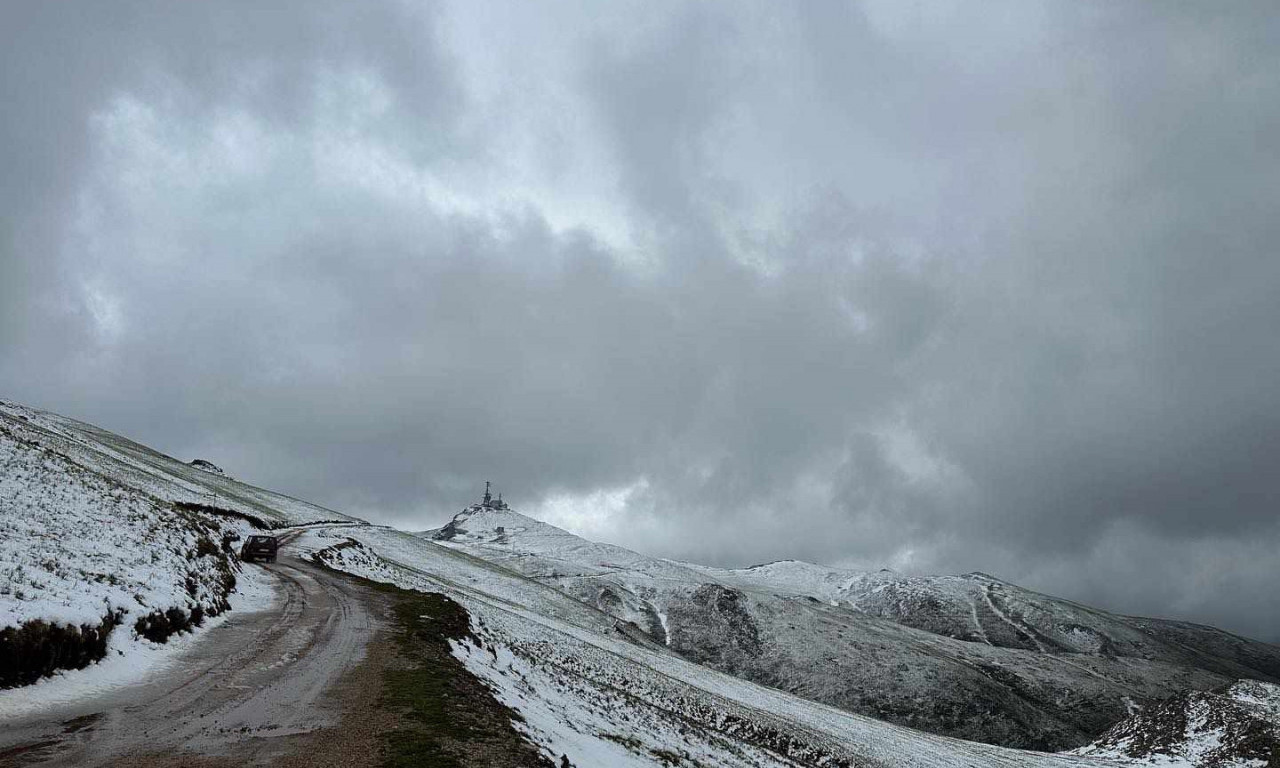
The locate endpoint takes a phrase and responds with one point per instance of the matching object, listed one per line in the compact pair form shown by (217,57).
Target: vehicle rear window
(259,539)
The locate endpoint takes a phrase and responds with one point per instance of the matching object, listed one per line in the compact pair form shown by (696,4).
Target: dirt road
(252,690)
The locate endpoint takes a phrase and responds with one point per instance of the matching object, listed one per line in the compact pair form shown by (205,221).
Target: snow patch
(131,660)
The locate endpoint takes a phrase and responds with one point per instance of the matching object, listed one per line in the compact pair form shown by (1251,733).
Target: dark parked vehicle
(259,548)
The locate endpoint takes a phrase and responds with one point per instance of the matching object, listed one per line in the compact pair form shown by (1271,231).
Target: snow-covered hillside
(967,656)
(1238,725)
(614,658)
(596,690)
(130,465)
(503,534)
(72,544)
(102,538)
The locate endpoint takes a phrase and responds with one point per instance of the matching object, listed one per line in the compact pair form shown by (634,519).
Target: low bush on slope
(38,649)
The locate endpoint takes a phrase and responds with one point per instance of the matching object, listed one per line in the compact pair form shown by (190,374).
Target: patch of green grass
(447,717)
(424,693)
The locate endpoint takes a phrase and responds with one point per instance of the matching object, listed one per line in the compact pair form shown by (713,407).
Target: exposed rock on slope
(980,608)
(593,645)
(1238,725)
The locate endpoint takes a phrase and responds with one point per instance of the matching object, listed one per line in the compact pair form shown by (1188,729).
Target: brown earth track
(255,689)
(340,672)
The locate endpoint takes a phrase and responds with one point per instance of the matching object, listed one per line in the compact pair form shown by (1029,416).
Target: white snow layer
(76,546)
(603,697)
(130,660)
(141,469)
(89,528)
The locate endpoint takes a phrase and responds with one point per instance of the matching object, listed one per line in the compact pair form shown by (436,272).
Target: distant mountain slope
(967,656)
(981,608)
(601,693)
(131,465)
(1238,725)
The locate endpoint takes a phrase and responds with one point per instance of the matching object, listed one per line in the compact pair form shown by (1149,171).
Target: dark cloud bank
(945,288)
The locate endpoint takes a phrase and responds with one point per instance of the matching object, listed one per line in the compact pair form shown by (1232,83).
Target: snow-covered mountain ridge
(993,661)
(603,694)
(610,657)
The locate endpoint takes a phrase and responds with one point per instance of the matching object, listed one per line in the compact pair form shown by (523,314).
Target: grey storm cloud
(860,283)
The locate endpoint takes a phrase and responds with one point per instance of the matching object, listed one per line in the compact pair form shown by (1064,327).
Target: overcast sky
(936,286)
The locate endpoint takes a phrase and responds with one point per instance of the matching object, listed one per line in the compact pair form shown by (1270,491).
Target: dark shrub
(37,649)
(206,547)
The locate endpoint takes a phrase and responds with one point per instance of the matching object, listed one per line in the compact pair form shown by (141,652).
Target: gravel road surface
(258,688)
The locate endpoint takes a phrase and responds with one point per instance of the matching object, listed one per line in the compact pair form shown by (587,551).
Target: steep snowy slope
(69,544)
(602,694)
(132,466)
(103,541)
(1238,725)
(966,656)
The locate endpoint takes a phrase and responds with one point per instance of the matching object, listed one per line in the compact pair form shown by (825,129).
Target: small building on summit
(491,503)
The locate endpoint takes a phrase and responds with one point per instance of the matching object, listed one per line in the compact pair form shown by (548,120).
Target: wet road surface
(240,693)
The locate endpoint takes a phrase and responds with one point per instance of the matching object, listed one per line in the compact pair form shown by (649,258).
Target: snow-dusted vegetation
(1236,726)
(75,546)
